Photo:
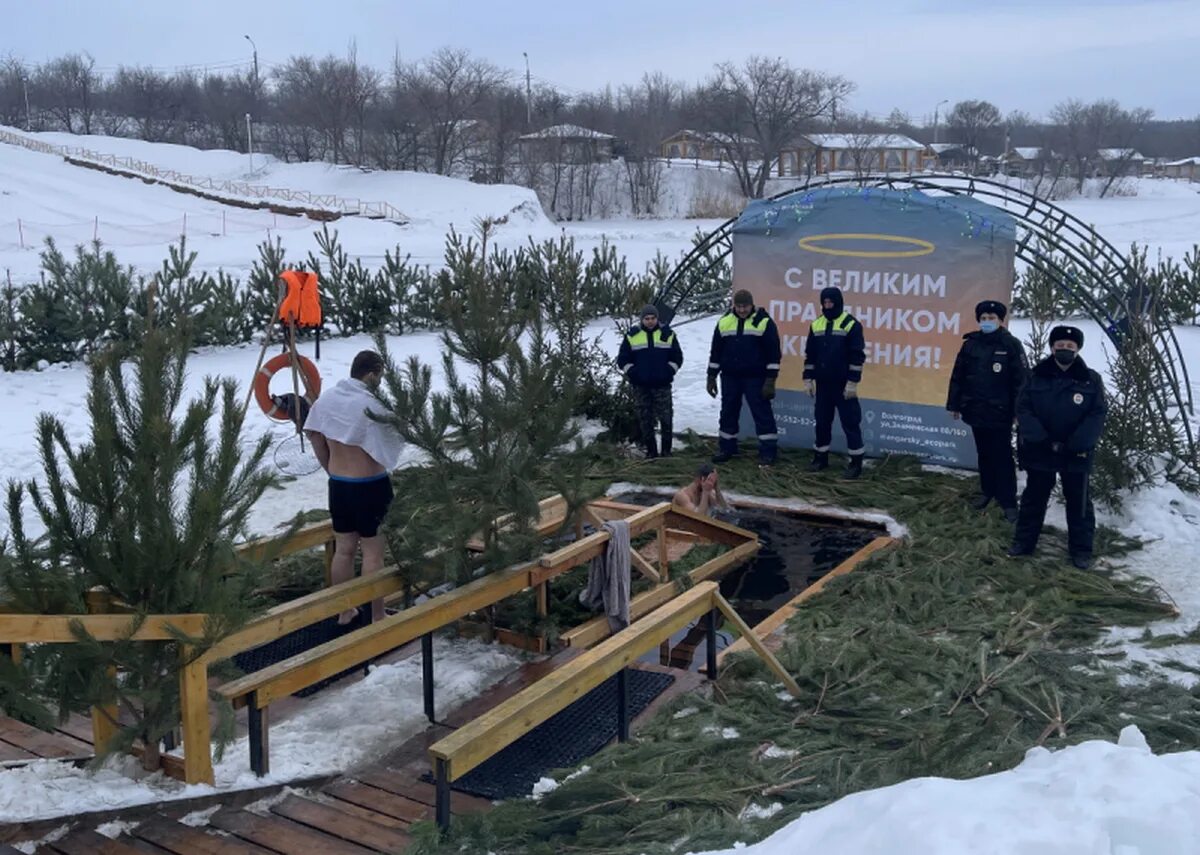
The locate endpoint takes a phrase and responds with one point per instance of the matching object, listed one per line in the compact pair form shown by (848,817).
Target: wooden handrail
(588,547)
(27,629)
(472,744)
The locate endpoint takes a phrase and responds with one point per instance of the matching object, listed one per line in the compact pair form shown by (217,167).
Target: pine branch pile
(941,657)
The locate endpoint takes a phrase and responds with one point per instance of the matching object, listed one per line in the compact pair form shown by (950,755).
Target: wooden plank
(422,792)
(78,726)
(10,753)
(644,567)
(57,628)
(307,610)
(474,743)
(197,730)
(380,801)
(625,508)
(551,515)
(185,840)
(302,670)
(707,527)
(767,656)
(281,835)
(590,546)
(597,629)
(664,556)
(306,537)
(39,742)
(342,825)
(91,843)
(780,616)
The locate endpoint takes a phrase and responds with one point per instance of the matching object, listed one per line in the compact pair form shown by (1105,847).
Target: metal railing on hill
(235,191)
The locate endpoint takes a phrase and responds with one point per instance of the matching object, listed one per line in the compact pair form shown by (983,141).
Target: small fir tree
(148,508)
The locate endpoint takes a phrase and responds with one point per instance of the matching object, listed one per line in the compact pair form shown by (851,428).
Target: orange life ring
(262,384)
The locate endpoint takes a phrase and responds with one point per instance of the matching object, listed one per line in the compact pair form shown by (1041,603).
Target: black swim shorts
(358,505)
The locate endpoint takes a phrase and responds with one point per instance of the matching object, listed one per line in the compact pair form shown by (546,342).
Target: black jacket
(988,375)
(650,358)
(1058,406)
(834,351)
(745,347)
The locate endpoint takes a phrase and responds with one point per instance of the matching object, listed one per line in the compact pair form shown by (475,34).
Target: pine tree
(498,438)
(148,509)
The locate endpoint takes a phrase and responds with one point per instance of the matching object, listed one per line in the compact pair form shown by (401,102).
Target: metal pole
(528,93)
(623,705)
(25,87)
(254,48)
(250,143)
(710,643)
(442,810)
(427,672)
(935,117)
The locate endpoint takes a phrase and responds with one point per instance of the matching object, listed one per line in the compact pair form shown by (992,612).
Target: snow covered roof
(1187,161)
(861,141)
(567,132)
(939,147)
(711,136)
(1119,154)
(1028,152)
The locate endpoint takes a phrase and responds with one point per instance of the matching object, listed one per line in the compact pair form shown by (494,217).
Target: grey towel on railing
(608,577)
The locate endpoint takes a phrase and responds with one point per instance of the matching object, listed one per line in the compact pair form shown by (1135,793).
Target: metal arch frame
(1108,279)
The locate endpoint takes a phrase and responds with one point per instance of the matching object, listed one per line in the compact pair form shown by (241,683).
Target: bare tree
(147,98)
(1084,129)
(12,92)
(970,123)
(65,88)
(446,89)
(761,107)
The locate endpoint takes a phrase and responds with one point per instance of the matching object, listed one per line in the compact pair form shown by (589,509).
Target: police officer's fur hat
(1065,333)
(992,307)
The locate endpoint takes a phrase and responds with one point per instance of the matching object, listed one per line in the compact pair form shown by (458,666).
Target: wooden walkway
(367,811)
(21,743)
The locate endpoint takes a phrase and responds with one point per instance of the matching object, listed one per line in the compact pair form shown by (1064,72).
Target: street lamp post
(25,88)
(250,143)
(528,93)
(254,47)
(935,117)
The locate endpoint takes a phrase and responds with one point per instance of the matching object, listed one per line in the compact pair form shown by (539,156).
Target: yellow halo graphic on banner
(813,243)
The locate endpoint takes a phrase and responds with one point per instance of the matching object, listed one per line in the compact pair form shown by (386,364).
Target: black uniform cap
(994,307)
(1065,333)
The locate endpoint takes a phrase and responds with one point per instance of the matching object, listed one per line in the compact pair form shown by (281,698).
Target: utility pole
(254,47)
(250,143)
(25,87)
(528,93)
(935,117)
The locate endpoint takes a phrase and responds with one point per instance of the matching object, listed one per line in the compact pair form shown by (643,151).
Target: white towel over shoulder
(340,414)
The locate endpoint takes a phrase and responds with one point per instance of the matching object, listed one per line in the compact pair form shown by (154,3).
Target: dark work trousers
(1081,517)
(654,408)
(733,390)
(829,400)
(997,470)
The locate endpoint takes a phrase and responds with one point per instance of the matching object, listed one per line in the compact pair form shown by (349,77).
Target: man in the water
(703,495)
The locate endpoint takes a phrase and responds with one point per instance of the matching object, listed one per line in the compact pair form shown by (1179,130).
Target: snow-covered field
(1087,798)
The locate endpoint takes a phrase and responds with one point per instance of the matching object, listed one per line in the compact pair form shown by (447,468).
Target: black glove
(1056,447)
(712,385)
(768,388)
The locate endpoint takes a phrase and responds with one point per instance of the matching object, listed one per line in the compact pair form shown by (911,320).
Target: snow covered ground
(341,728)
(1096,798)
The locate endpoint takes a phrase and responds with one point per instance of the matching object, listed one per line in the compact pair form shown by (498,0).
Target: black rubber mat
(562,741)
(305,638)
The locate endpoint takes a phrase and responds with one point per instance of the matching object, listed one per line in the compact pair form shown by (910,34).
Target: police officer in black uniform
(988,374)
(650,357)
(745,353)
(834,353)
(1060,414)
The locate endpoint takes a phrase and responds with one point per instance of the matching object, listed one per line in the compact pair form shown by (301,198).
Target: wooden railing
(470,745)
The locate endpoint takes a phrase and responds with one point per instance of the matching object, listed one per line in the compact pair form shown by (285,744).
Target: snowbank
(1097,798)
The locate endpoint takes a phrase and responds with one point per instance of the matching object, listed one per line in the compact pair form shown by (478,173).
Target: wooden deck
(365,811)
(21,743)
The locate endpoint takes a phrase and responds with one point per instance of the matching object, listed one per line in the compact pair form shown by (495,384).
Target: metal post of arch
(1105,286)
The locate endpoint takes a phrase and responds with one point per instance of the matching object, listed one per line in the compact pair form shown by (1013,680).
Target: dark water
(797,550)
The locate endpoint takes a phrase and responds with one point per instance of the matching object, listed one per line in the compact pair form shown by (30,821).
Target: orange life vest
(302,301)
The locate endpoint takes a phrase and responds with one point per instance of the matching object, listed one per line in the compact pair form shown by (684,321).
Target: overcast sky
(911,54)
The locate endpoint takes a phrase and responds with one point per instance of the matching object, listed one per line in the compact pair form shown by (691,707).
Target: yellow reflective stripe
(638,340)
(819,324)
(727,324)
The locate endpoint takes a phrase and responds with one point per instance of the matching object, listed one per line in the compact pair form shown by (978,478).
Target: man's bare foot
(347,616)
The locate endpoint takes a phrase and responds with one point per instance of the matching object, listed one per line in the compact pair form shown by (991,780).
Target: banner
(911,267)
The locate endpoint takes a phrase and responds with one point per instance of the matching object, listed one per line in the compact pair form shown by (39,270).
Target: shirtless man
(703,495)
(358,453)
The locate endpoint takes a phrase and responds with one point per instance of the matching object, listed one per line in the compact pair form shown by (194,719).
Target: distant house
(566,144)
(946,156)
(1024,161)
(816,154)
(1119,161)
(1188,168)
(704,145)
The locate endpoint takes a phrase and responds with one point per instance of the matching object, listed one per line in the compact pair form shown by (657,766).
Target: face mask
(989,326)
(1064,356)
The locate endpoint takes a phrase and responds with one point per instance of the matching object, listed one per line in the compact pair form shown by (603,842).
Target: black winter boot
(651,448)
(820,461)
(853,468)
(666,443)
